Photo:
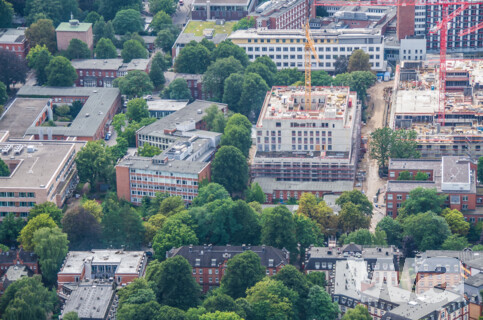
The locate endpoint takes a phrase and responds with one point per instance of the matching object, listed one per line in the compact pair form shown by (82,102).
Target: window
(389,196)
(392,174)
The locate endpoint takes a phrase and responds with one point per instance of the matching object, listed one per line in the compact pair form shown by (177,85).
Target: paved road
(182,14)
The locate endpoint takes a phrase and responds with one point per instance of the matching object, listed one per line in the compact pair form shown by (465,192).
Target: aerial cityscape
(241,159)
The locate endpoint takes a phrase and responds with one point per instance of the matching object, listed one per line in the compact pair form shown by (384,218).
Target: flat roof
(97,106)
(98,64)
(178,166)
(224,2)
(412,164)
(21,115)
(90,301)
(355,33)
(349,276)
(166,105)
(37,169)
(417,102)
(128,262)
(71,27)
(138,64)
(268,185)
(12,35)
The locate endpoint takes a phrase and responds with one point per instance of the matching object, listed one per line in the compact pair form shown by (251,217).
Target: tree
(58,11)
(227,49)
(49,208)
(361,81)
(421,176)
(480,169)
(27,298)
(351,218)
(244,23)
(173,234)
(127,21)
(209,193)
(307,233)
(321,78)
(38,59)
(60,72)
(71,316)
(4,170)
(6,14)
(296,281)
(317,279)
(218,315)
(105,49)
(319,212)
(365,237)
(455,242)
(422,200)
(10,229)
(393,230)
(239,137)
(194,58)
(358,313)
(287,77)
(173,283)
(320,305)
(42,33)
(217,72)
(78,50)
(359,61)
(404,144)
(232,91)
(12,68)
(121,225)
(51,248)
(264,72)
(341,64)
(148,150)
(92,17)
(132,49)
(168,6)
(428,230)
(242,272)
(27,234)
(137,109)
(3,94)
(405,175)
(156,75)
(215,119)
(358,198)
(171,206)
(380,145)
(255,193)
(160,21)
(94,208)
(456,221)
(274,220)
(177,90)
(271,300)
(135,84)
(230,169)
(170,313)
(94,163)
(109,8)
(82,228)
(219,301)
(254,91)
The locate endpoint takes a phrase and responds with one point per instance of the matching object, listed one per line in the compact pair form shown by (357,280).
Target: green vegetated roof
(197,27)
(80,27)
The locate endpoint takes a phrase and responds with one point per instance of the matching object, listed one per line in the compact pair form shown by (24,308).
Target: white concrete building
(413,49)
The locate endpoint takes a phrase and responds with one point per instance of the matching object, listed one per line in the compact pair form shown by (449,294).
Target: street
(182,14)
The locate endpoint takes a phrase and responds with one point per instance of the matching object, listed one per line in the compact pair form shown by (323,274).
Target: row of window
(300,64)
(99,73)
(17,195)
(22,214)
(16,204)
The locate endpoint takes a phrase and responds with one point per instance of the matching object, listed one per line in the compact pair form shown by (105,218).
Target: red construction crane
(442,27)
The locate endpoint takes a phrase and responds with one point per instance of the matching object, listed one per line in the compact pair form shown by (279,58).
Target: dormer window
(213,262)
(198,262)
(270,262)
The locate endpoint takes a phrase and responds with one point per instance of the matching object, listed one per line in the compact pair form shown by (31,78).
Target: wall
(405,20)
(123,183)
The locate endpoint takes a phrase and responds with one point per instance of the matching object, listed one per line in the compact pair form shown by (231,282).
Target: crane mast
(309,50)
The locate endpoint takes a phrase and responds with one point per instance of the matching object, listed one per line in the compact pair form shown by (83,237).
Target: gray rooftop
(16,272)
(35,170)
(97,64)
(455,170)
(178,166)
(475,281)
(349,275)
(167,105)
(185,38)
(21,115)
(270,184)
(138,64)
(13,36)
(411,164)
(92,114)
(224,2)
(387,293)
(90,301)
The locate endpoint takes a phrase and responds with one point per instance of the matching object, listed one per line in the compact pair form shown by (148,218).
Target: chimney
(208,10)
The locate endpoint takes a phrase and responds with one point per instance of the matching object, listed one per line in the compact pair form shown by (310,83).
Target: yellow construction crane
(309,50)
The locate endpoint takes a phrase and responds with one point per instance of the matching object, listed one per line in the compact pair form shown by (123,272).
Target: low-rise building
(18,257)
(209,262)
(432,272)
(101,73)
(285,14)
(221,9)
(473,287)
(99,107)
(161,108)
(39,172)
(66,31)
(452,176)
(14,40)
(194,81)
(413,48)
(120,266)
(13,274)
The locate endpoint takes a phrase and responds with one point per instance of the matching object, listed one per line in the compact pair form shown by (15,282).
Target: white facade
(286,47)
(412,49)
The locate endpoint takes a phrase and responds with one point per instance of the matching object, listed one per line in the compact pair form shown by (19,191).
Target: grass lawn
(197,27)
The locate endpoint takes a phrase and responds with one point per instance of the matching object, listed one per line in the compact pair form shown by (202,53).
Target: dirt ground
(376,119)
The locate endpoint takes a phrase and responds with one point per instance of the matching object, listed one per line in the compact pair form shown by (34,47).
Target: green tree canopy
(230,169)
(393,230)
(215,119)
(137,109)
(27,234)
(177,90)
(480,169)
(456,221)
(320,305)
(160,21)
(78,50)
(455,242)
(358,198)
(262,70)
(209,193)
(4,170)
(422,200)
(60,72)
(109,8)
(255,193)
(58,11)
(193,58)
(105,49)
(365,237)
(219,315)
(38,59)
(242,272)
(254,91)
(168,6)
(274,220)
(42,33)
(83,229)
(51,246)
(232,91)
(128,20)
(92,17)
(12,68)
(156,75)
(49,208)
(217,72)
(133,49)
(244,23)
(94,163)
(319,212)
(173,283)
(428,230)
(6,14)
(135,84)
(173,234)
(359,61)
(351,218)
(10,229)
(287,77)
(387,143)
(148,150)
(421,176)
(341,64)
(404,144)
(237,136)
(358,313)
(71,316)
(227,49)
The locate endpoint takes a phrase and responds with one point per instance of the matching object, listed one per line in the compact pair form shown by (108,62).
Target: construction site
(448,123)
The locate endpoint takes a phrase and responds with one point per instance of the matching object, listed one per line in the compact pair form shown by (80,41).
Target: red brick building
(18,257)
(66,31)
(122,266)
(14,40)
(209,262)
(282,14)
(195,84)
(452,176)
(405,21)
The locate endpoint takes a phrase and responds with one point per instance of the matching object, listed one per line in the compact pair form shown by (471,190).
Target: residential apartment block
(66,31)
(101,73)
(287,14)
(221,9)
(120,266)
(14,40)
(300,150)
(286,47)
(40,172)
(209,262)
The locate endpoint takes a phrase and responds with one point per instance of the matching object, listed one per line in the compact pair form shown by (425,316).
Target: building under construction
(307,149)
(416,106)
